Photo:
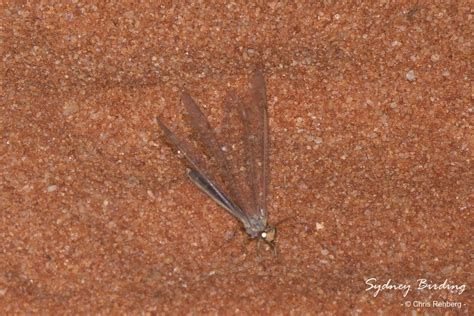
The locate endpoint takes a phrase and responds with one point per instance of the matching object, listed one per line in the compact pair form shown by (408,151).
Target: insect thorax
(256,225)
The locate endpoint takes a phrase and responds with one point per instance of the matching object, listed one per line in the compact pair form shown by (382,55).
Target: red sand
(371,156)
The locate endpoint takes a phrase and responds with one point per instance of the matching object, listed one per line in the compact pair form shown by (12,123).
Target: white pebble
(410,75)
(52,188)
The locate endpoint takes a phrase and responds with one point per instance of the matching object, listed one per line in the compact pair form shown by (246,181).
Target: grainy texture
(371,156)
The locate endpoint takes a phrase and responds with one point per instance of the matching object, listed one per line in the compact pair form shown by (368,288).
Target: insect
(230,164)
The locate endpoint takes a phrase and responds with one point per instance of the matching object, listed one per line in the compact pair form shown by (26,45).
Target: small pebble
(410,75)
(52,188)
(435,57)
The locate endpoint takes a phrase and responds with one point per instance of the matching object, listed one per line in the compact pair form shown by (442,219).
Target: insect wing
(255,120)
(234,169)
(198,176)
(209,140)
(210,189)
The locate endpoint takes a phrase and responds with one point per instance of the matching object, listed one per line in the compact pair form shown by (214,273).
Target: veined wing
(216,194)
(207,137)
(198,174)
(235,171)
(255,121)
(232,136)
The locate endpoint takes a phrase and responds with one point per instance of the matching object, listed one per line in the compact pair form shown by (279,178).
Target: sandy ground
(371,158)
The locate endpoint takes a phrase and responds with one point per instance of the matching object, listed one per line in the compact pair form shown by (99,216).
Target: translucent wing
(245,133)
(234,170)
(255,120)
(216,194)
(207,137)
(198,173)
(232,136)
